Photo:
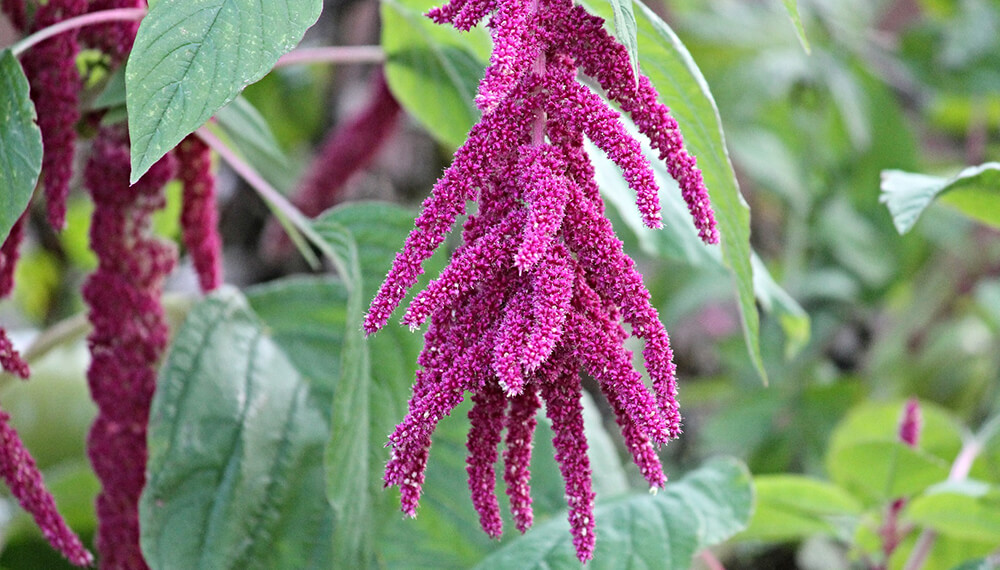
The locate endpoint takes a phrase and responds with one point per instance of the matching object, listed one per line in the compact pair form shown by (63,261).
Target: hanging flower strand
(540,289)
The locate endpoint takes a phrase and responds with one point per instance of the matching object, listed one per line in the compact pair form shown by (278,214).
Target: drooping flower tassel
(129,336)
(541,287)
(199,216)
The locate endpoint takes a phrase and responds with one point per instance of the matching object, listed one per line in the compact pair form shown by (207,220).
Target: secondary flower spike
(541,288)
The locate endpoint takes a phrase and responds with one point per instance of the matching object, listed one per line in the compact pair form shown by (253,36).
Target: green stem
(101,17)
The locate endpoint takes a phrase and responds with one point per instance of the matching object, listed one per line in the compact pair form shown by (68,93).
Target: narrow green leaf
(679,240)
(625,31)
(235,463)
(792,6)
(245,126)
(191,58)
(958,515)
(645,531)
(776,301)
(975,191)
(369,399)
(681,86)
(20,143)
(433,70)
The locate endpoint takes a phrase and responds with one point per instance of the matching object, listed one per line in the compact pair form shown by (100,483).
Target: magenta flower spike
(55,84)
(541,288)
(199,217)
(129,335)
(910,423)
(22,476)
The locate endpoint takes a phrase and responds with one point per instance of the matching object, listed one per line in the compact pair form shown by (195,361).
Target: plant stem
(333,54)
(278,203)
(103,16)
(710,560)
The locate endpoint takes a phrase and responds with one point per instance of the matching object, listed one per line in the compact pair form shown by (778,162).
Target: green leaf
(792,6)
(432,70)
(645,531)
(235,464)
(883,470)
(681,86)
(975,191)
(940,435)
(20,143)
(794,506)
(191,58)
(245,126)
(958,515)
(369,399)
(306,317)
(625,31)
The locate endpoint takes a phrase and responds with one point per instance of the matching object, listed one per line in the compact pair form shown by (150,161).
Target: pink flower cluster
(130,335)
(541,287)
(55,85)
(199,218)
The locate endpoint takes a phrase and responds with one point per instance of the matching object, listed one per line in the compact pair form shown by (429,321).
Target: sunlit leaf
(794,506)
(191,58)
(432,70)
(975,191)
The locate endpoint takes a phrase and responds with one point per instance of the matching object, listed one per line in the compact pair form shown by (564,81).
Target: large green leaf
(664,530)
(794,506)
(306,317)
(975,191)
(192,57)
(235,450)
(959,515)
(369,399)
(20,143)
(433,70)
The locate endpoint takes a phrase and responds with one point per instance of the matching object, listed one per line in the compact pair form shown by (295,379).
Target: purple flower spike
(562,393)
(541,288)
(9,254)
(486,419)
(199,218)
(129,335)
(21,474)
(546,193)
(911,423)
(55,85)
(10,360)
(517,457)
(602,57)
